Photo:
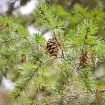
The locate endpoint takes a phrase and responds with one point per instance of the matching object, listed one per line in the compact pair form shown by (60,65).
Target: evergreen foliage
(42,79)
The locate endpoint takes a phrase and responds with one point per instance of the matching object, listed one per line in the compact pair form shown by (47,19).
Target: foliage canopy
(43,79)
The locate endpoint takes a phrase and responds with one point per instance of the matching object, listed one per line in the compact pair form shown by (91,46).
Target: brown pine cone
(23,58)
(83,58)
(52,47)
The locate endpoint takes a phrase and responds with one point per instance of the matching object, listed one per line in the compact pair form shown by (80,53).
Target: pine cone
(23,58)
(83,58)
(52,47)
